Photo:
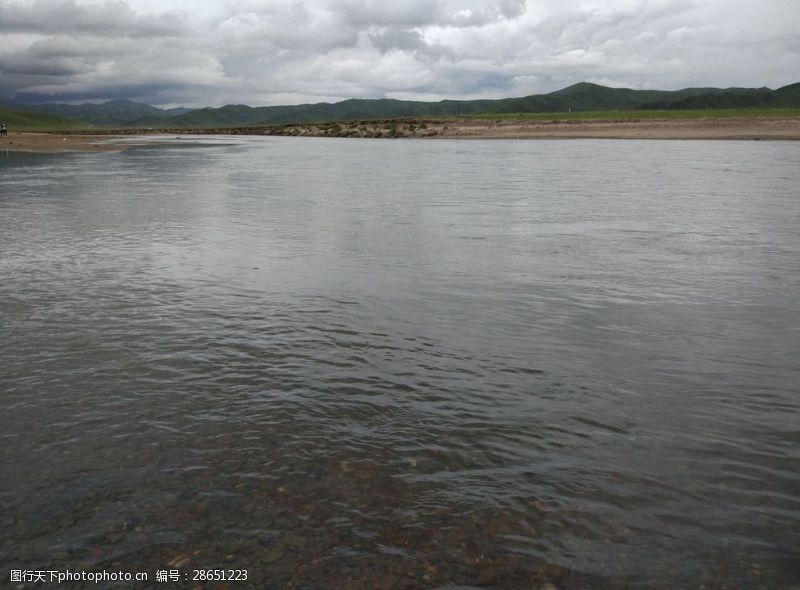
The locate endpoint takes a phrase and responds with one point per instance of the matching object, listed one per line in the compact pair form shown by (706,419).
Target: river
(387,364)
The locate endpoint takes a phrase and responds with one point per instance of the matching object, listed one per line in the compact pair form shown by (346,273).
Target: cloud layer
(262,52)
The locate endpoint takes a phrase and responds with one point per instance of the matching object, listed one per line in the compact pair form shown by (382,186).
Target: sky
(265,52)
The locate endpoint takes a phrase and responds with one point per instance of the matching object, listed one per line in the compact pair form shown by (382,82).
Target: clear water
(404,364)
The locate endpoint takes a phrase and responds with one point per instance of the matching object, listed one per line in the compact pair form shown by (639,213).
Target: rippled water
(404,364)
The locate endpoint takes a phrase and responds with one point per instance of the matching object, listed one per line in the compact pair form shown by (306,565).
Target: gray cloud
(70,17)
(420,13)
(278,51)
(410,40)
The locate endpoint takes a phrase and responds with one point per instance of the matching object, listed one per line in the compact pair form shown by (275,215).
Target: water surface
(405,364)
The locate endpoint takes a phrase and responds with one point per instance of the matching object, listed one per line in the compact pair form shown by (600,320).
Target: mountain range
(579,97)
(108,114)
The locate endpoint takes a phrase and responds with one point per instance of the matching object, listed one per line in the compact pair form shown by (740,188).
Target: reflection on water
(405,364)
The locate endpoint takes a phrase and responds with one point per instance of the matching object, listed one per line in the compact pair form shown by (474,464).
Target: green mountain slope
(20,120)
(582,97)
(787,97)
(579,97)
(730,98)
(117,113)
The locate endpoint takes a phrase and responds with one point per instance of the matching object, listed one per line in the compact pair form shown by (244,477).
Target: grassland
(639,115)
(18,120)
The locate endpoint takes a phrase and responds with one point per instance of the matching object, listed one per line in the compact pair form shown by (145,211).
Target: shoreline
(772,128)
(47,142)
(734,128)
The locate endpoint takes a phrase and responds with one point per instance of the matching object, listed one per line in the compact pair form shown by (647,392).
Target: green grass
(17,120)
(637,115)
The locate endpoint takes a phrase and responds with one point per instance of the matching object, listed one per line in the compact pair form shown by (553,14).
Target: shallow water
(403,364)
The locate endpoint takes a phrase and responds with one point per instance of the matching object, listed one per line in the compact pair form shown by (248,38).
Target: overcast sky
(261,52)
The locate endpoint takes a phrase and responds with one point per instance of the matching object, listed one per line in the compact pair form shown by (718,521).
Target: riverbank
(770,127)
(749,128)
(58,142)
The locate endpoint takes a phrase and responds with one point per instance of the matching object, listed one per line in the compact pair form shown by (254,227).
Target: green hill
(787,97)
(582,97)
(113,113)
(227,116)
(19,120)
(730,98)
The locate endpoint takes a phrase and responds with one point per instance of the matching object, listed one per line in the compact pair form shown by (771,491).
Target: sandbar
(710,128)
(58,142)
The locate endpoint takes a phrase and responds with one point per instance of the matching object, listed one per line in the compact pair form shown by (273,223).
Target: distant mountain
(114,113)
(786,97)
(17,119)
(578,97)
(712,98)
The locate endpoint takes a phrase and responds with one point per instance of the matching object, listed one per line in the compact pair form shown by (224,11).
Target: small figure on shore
(3,130)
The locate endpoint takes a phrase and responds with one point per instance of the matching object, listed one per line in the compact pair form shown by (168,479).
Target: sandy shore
(783,128)
(750,128)
(762,127)
(53,142)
